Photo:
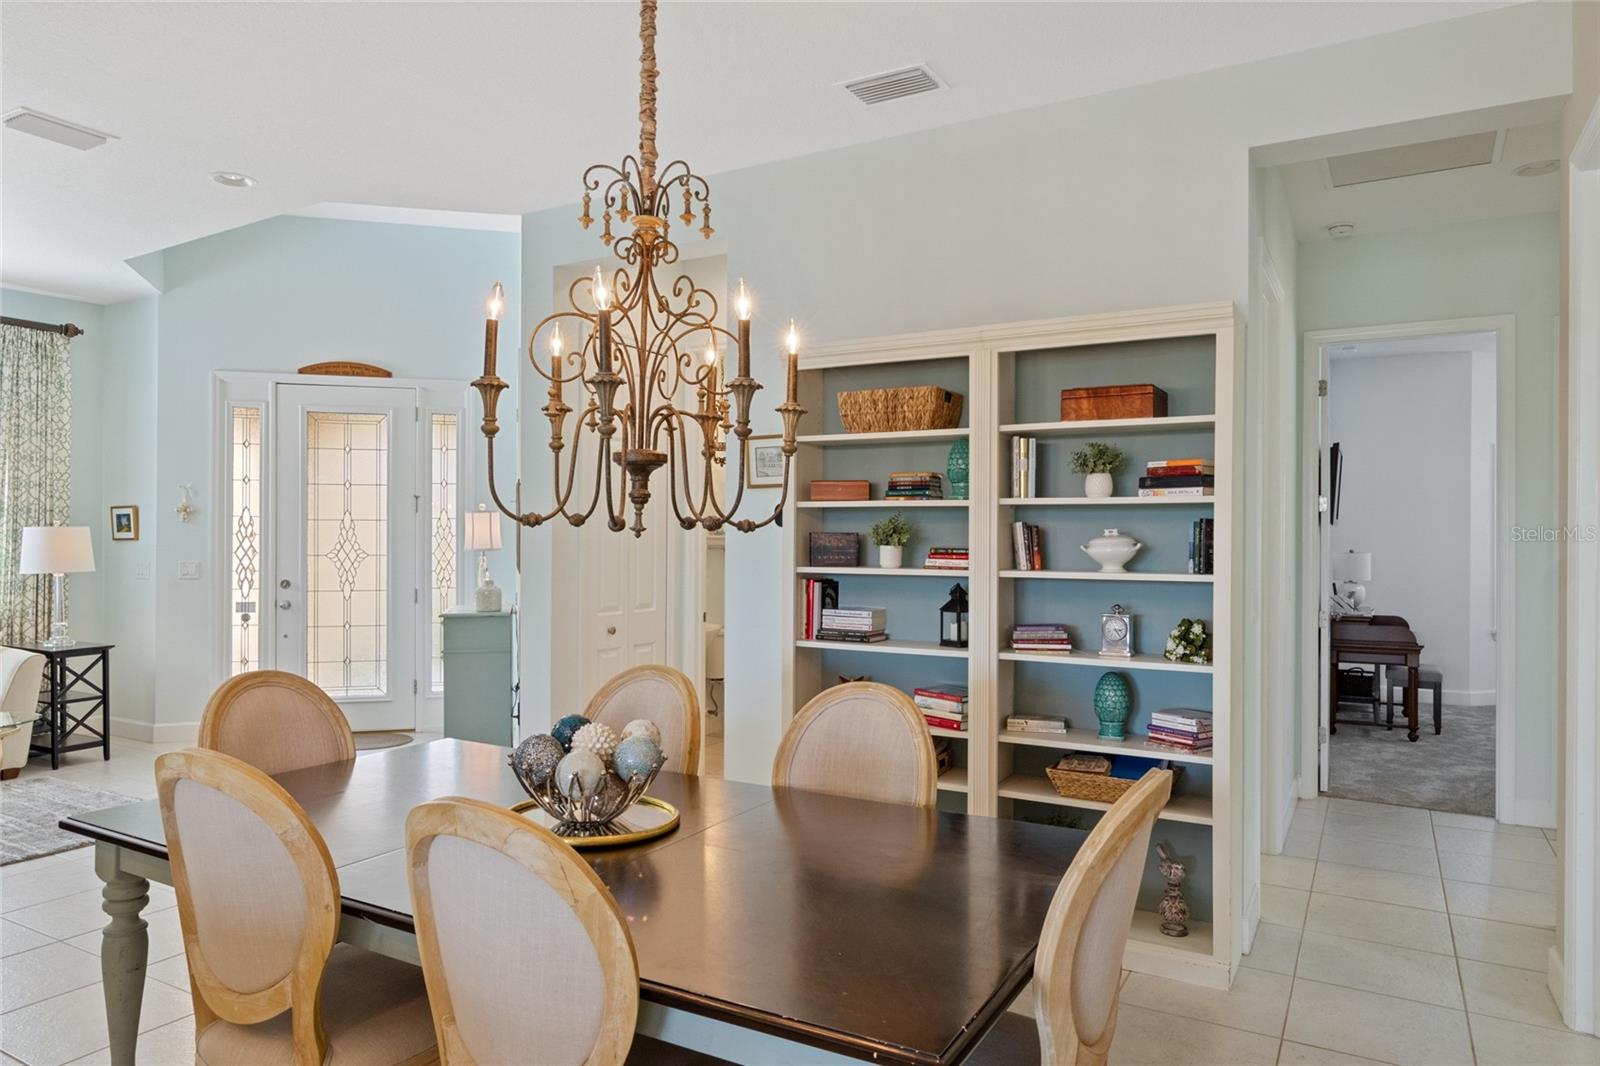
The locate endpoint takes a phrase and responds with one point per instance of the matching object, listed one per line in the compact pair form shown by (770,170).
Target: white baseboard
(1285,823)
(1468,697)
(1529,812)
(155,733)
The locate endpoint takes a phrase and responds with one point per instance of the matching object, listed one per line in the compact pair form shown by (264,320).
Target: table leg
(124,949)
(57,709)
(105,704)
(1411,699)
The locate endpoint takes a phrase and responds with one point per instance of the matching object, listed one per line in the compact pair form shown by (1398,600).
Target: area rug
(31,806)
(375,741)
(1450,772)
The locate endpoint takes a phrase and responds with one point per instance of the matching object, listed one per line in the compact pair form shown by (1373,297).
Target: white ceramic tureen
(1112,550)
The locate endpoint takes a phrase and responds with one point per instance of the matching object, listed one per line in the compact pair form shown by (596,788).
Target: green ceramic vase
(956,469)
(1111,706)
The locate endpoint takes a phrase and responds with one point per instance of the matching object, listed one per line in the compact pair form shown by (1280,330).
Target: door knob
(611,631)
(284,605)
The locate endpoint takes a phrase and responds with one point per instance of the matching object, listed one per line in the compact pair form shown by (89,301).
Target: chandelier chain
(647,102)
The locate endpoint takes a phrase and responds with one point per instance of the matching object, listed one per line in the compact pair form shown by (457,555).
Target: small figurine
(1172,910)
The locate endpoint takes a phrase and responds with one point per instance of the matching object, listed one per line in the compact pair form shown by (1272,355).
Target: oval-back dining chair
(664,696)
(528,958)
(276,722)
(863,740)
(258,903)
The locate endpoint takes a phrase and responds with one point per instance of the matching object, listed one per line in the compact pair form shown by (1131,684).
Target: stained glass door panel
(347,522)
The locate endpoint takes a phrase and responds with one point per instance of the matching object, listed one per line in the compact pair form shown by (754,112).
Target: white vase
(1097,485)
(889,556)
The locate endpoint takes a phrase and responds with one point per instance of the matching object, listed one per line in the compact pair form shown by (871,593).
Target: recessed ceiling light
(1539,169)
(1341,230)
(233,180)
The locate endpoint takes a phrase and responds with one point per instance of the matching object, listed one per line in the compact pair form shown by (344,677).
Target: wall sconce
(185,506)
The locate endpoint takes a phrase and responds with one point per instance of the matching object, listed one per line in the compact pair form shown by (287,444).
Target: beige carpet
(1450,772)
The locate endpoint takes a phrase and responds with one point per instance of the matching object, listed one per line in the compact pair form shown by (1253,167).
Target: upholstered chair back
(21,673)
(662,695)
(1078,967)
(527,957)
(276,722)
(863,740)
(258,899)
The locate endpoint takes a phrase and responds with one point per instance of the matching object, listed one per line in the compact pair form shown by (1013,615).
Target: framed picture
(125,522)
(765,469)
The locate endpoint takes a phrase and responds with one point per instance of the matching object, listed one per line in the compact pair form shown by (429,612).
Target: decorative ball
(636,756)
(642,727)
(536,757)
(1111,705)
(598,738)
(610,793)
(566,727)
(583,766)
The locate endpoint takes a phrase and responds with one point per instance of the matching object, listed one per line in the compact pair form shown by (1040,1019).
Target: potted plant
(1097,461)
(891,536)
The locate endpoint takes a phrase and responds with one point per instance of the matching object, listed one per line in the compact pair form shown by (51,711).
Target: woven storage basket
(899,410)
(1097,787)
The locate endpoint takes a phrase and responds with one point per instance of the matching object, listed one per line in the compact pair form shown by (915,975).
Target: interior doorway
(1409,557)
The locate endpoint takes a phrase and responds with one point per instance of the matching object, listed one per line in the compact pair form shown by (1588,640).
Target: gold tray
(630,827)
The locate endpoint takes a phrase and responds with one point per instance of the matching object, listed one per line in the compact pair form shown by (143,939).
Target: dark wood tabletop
(868,929)
(1383,645)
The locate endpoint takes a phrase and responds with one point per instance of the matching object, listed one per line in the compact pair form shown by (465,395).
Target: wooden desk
(72,698)
(771,926)
(1363,642)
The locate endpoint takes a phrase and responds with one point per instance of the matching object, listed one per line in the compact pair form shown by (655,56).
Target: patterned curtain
(35,467)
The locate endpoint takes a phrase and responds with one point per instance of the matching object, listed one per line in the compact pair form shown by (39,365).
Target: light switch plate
(141,571)
(189,570)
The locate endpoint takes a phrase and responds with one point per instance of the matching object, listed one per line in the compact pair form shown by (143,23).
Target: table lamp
(57,551)
(483,535)
(1350,570)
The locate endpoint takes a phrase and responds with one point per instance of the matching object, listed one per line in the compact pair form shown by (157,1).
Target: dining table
(771,925)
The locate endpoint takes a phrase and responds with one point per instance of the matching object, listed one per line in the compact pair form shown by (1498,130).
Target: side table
(71,698)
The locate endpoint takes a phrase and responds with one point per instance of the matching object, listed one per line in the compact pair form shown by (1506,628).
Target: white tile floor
(1389,935)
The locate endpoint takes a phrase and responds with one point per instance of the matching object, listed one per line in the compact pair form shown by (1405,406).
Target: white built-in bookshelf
(1011,376)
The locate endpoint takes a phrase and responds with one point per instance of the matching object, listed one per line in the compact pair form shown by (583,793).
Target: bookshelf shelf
(1096,575)
(1011,376)
(888,647)
(1109,425)
(1036,788)
(1104,662)
(1089,740)
(916,436)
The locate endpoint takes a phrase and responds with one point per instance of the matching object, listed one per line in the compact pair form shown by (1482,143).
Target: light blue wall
(1130,199)
(1503,266)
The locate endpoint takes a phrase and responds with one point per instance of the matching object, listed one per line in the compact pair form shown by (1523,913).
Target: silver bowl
(579,812)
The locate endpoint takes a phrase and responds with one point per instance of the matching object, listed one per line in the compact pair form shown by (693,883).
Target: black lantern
(953,619)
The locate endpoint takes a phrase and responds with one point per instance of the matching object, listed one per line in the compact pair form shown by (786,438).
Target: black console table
(70,700)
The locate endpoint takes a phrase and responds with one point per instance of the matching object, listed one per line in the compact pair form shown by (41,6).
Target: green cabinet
(478,695)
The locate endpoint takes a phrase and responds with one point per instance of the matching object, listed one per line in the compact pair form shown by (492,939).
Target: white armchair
(20,675)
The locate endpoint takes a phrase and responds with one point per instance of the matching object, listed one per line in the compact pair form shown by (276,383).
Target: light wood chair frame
(299,991)
(550,859)
(925,788)
(1059,1042)
(223,699)
(687,696)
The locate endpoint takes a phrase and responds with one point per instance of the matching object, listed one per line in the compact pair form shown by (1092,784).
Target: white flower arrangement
(1189,642)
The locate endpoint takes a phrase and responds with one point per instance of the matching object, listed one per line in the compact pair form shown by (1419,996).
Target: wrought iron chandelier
(645,347)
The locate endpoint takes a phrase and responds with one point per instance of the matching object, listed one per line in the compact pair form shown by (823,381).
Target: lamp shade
(56,550)
(483,530)
(1353,566)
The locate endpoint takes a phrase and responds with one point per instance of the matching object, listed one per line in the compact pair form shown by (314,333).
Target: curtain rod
(66,329)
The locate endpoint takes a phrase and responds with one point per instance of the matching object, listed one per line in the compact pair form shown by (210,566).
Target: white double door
(346,571)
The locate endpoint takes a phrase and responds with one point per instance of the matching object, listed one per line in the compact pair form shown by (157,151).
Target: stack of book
(1035,723)
(946,559)
(1181,729)
(915,485)
(856,625)
(821,594)
(1202,546)
(944,706)
(1179,477)
(1027,546)
(1024,467)
(1040,636)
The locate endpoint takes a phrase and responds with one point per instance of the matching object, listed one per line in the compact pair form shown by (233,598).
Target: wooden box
(835,549)
(1113,401)
(841,490)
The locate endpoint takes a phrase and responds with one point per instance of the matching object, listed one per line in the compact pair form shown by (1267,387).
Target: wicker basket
(899,410)
(1100,788)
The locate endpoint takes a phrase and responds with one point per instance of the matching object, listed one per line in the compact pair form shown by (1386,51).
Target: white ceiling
(495,108)
(1467,195)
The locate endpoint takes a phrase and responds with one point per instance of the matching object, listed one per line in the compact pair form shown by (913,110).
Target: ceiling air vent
(881,88)
(1407,160)
(26,120)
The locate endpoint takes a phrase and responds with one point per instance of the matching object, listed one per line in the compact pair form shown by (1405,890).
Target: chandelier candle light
(641,345)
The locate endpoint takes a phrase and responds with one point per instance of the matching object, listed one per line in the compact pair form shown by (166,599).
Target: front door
(345,527)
